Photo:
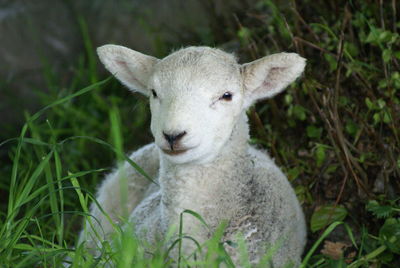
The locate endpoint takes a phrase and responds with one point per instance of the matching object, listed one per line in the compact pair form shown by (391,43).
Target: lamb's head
(197,94)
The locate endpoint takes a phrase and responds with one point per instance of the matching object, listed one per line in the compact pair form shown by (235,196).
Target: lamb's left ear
(268,76)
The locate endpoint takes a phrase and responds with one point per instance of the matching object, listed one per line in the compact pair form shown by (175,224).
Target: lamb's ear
(130,67)
(268,76)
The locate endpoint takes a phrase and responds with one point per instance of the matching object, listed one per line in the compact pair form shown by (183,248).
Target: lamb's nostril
(172,138)
(180,135)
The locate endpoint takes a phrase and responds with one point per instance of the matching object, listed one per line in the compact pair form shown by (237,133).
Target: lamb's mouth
(174,152)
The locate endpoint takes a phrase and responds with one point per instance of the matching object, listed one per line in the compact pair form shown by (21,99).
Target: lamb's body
(241,186)
(247,190)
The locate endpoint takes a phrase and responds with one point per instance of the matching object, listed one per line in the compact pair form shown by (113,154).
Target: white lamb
(201,158)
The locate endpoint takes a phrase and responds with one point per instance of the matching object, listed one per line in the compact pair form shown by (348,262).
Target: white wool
(217,174)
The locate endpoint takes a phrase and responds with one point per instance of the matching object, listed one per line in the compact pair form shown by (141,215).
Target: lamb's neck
(196,186)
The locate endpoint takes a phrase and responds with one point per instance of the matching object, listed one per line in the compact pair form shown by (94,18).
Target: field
(335,133)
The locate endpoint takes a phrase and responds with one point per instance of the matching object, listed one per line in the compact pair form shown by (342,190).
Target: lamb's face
(197,93)
(195,101)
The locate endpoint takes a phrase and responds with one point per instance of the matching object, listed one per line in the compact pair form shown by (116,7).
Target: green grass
(335,133)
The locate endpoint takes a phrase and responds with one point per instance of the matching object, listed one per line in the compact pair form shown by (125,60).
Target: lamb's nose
(173,138)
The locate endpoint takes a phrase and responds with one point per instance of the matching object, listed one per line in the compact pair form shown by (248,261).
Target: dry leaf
(334,250)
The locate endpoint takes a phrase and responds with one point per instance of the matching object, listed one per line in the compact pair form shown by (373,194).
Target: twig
(316,37)
(351,162)
(296,38)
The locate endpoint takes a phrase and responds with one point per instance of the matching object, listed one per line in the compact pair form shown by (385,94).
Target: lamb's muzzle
(173,138)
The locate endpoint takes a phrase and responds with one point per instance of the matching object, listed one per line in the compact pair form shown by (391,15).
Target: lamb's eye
(154,93)
(227,96)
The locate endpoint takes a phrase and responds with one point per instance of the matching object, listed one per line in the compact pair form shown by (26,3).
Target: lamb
(201,159)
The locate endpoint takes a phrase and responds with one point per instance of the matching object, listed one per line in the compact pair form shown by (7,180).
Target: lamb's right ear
(130,67)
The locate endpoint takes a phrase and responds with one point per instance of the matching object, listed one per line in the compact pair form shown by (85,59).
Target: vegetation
(336,134)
